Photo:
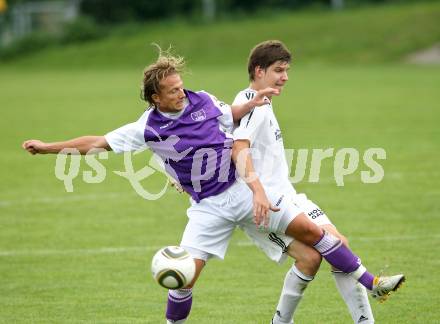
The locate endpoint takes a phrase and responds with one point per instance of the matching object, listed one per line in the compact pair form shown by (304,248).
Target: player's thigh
(305,226)
(312,210)
(318,216)
(278,221)
(207,233)
(304,230)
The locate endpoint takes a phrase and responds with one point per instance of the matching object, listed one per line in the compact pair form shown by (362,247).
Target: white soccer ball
(173,267)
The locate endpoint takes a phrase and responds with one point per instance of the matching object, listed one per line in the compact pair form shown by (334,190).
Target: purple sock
(342,258)
(179,304)
(367,280)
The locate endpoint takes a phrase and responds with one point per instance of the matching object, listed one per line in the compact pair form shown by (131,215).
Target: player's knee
(310,262)
(312,232)
(314,258)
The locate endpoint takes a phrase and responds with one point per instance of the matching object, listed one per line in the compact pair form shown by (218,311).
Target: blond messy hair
(165,65)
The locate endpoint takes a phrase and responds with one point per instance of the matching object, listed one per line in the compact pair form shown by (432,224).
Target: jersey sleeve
(226,120)
(251,124)
(128,138)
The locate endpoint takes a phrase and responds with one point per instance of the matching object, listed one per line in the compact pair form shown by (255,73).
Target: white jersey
(261,128)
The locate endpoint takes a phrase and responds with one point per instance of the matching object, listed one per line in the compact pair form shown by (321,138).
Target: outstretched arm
(245,168)
(260,99)
(83,144)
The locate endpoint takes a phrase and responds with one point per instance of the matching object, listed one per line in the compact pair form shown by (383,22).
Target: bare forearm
(245,167)
(239,111)
(82,144)
(260,98)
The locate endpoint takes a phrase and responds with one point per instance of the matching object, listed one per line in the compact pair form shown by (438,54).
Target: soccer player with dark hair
(259,131)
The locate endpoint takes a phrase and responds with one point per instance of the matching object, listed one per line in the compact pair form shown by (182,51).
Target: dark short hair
(265,54)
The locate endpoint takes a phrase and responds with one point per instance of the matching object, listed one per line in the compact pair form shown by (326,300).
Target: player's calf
(180,300)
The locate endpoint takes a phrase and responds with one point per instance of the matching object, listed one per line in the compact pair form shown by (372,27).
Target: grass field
(84,256)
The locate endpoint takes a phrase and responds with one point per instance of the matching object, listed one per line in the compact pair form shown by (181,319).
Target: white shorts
(275,243)
(213,220)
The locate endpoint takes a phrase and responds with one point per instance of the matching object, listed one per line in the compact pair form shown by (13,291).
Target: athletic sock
(176,322)
(179,305)
(342,258)
(355,297)
(295,283)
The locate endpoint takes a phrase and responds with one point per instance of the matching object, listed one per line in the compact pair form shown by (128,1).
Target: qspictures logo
(345,162)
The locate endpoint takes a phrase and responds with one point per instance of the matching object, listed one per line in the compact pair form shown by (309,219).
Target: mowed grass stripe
(129,249)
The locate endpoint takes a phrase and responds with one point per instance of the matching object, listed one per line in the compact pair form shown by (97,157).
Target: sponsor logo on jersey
(198,115)
(250,95)
(166,125)
(315,213)
(279,201)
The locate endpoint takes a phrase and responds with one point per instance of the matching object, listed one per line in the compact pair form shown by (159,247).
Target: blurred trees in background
(112,11)
(29,25)
(115,11)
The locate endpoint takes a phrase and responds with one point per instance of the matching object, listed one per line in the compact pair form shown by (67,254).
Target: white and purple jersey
(195,146)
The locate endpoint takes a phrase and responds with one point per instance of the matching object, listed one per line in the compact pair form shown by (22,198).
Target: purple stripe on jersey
(195,151)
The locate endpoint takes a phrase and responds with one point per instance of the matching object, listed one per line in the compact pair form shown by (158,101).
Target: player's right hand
(35,146)
(262,96)
(262,208)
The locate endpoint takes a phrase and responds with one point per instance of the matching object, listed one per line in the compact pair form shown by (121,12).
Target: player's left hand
(262,96)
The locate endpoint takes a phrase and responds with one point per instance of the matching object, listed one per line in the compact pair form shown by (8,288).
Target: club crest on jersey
(198,115)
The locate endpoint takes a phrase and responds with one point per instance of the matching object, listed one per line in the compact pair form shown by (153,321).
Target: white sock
(176,322)
(355,297)
(295,283)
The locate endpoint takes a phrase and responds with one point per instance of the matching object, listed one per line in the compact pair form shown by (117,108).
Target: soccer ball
(173,267)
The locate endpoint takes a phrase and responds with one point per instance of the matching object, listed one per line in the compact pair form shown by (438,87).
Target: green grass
(55,261)
(53,268)
(374,34)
